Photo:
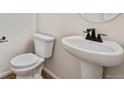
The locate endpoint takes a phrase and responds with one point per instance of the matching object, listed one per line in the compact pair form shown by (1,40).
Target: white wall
(18,29)
(60,25)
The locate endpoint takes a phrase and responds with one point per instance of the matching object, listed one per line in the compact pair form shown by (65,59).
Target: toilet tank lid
(43,37)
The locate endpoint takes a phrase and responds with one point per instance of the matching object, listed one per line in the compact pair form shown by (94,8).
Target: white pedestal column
(91,71)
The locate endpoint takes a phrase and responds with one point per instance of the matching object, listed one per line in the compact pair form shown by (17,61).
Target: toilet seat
(20,70)
(25,60)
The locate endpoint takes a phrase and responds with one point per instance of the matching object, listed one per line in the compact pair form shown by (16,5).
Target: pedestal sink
(93,55)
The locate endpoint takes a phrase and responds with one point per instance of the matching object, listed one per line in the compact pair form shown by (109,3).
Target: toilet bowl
(27,66)
(30,65)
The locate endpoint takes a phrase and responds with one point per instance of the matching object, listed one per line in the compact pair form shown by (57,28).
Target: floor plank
(44,74)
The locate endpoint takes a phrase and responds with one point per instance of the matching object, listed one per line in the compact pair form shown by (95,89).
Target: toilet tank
(43,45)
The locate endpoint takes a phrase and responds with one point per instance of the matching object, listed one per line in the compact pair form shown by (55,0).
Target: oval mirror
(98,17)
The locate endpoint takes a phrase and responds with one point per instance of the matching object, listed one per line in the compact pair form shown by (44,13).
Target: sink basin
(108,53)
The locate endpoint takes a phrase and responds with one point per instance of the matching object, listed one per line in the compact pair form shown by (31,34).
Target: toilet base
(33,74)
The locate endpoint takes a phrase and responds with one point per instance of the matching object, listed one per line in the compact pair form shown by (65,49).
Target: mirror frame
(101,20)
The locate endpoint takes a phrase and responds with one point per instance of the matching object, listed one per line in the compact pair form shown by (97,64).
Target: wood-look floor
(44,74)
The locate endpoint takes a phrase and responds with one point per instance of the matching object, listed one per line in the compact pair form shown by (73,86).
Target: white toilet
(30,65)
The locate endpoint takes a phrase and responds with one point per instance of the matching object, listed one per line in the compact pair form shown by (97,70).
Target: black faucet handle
(102,34)
(87,31)
(88,34)
(99,39)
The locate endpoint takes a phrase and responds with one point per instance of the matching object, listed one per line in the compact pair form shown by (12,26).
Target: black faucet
(92,36)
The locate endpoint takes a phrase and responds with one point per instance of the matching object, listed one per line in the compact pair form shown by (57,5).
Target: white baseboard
(50,73)
(5,74)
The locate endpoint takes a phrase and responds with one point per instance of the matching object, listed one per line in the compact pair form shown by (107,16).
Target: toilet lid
(24,60)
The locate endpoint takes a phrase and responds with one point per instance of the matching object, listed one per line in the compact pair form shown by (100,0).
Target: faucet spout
(93,34)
